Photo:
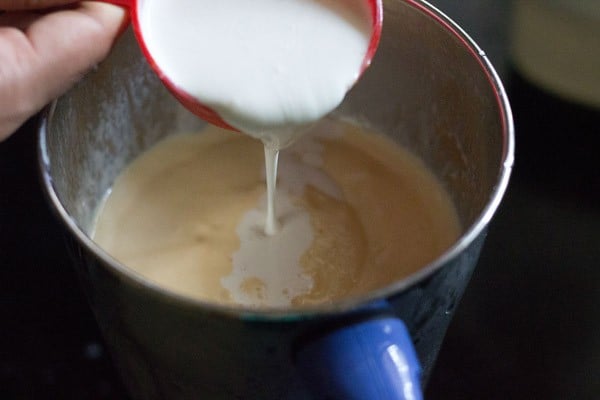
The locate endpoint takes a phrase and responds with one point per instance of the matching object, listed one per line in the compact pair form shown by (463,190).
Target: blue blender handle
(369,360)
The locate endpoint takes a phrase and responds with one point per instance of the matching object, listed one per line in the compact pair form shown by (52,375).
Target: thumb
(14,5)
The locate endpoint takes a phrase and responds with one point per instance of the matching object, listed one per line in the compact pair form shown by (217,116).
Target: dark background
(527,327)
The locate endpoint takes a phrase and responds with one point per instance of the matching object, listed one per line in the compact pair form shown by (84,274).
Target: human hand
(45,47)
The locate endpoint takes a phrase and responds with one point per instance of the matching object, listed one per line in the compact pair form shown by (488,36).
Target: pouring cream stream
(269,68)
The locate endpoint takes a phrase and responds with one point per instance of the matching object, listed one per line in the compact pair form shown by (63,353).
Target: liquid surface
(266,66)
(356,212)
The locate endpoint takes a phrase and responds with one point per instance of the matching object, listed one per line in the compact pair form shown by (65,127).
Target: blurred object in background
(528,327)
(556,45)
(555,60)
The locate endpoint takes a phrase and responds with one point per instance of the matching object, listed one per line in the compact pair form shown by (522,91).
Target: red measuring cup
(193,104)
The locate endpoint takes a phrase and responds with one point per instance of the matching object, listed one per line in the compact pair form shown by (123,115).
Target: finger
(85,38)
(55,51)
(11,5)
